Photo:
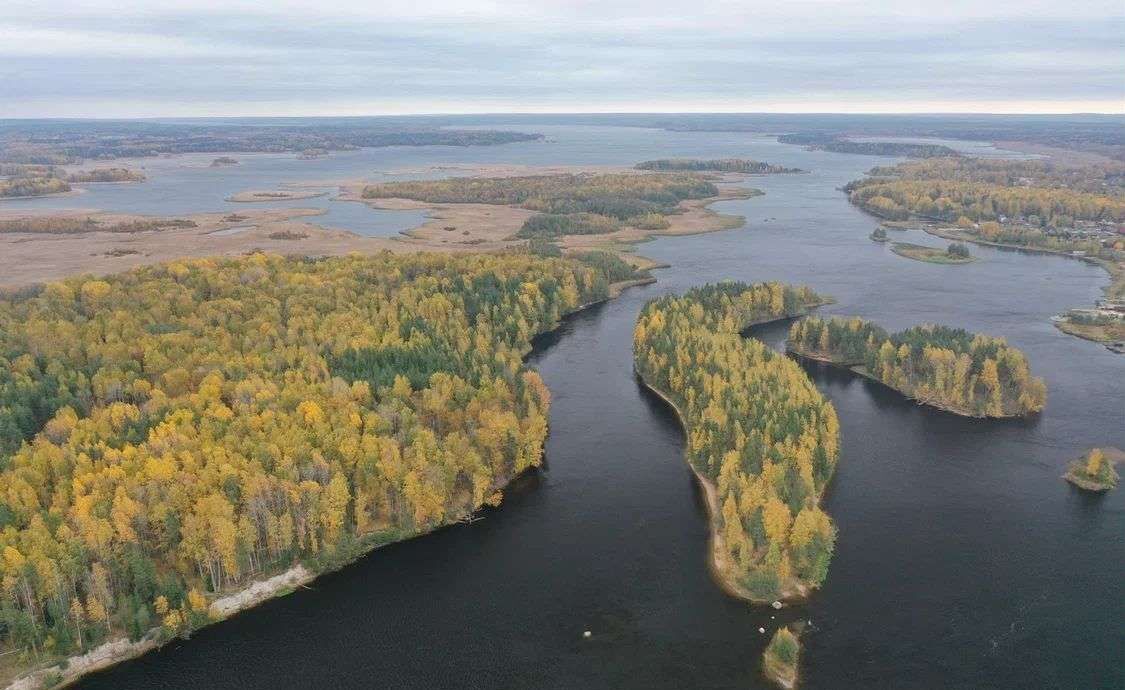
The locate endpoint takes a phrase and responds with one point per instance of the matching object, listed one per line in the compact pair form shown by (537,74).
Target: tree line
(950,368)
(168,433)
(732,165)
(756,426)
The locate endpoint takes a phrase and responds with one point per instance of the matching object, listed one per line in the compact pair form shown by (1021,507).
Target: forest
(568,204)
(948,368)
(731,165)
(169,433)
(1043,198)
(759,434)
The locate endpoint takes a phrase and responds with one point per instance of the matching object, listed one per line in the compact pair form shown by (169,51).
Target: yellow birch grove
(173,431)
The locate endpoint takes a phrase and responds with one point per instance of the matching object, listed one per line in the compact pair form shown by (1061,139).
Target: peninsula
(948,368)
(761,440)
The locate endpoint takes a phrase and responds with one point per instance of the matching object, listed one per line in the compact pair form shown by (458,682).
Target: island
(289,415)
(781,658)
(725,165)
(1070,209)
(761,439)
(1096,471)
(22,180)
(837,143)
(223,162)
(252,196)
(580,209)
(948,368)
(956,253)
(879,234)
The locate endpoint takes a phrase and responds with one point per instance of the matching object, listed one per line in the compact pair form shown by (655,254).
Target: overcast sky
(113,58)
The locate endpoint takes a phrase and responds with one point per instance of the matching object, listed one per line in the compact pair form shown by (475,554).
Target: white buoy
(762,630)
(776,605)
(587,634)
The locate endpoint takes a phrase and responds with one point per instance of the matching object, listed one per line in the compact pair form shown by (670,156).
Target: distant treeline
(734,165)
(950,368)
(51,225)
(59,143)
(569,204)
(1031,194)
(838,144)
(756,427)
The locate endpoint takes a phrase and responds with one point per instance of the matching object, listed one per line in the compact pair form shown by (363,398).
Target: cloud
(95,57)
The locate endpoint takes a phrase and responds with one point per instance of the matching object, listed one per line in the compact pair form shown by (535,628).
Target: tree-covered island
(761,439)
(949,368)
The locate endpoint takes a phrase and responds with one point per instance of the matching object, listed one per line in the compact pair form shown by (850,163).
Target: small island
(956,253)
(224,161)
(965,373)
(745,166)
(779,661)
(1096,470)
(273,195)
(879,234)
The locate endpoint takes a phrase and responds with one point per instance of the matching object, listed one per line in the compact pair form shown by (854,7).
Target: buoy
(776,605)
(587,634)
(762,630)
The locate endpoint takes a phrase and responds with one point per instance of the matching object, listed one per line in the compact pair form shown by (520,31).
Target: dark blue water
(963,560)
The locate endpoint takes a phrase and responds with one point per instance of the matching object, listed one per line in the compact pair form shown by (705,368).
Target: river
(963,560)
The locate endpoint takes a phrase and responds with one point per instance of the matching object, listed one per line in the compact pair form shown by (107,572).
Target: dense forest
(758,431)
(1041,197)
(69,142)
(1095,178)
(838,144)
(171,432)
(569,204)
(732,165)
(948,368)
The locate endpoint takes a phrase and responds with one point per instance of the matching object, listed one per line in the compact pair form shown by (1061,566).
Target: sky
(124,58)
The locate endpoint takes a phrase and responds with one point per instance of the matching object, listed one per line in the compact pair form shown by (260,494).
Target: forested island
(761,439)
(840,144)
(40,180)
(948,368)
(955,253)
(1096,471)
(726,165)
(171,434)
(780,660)
(1074,210)
(567,204)
(63,142)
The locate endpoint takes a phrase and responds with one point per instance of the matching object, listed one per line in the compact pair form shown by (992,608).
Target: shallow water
(963,559)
